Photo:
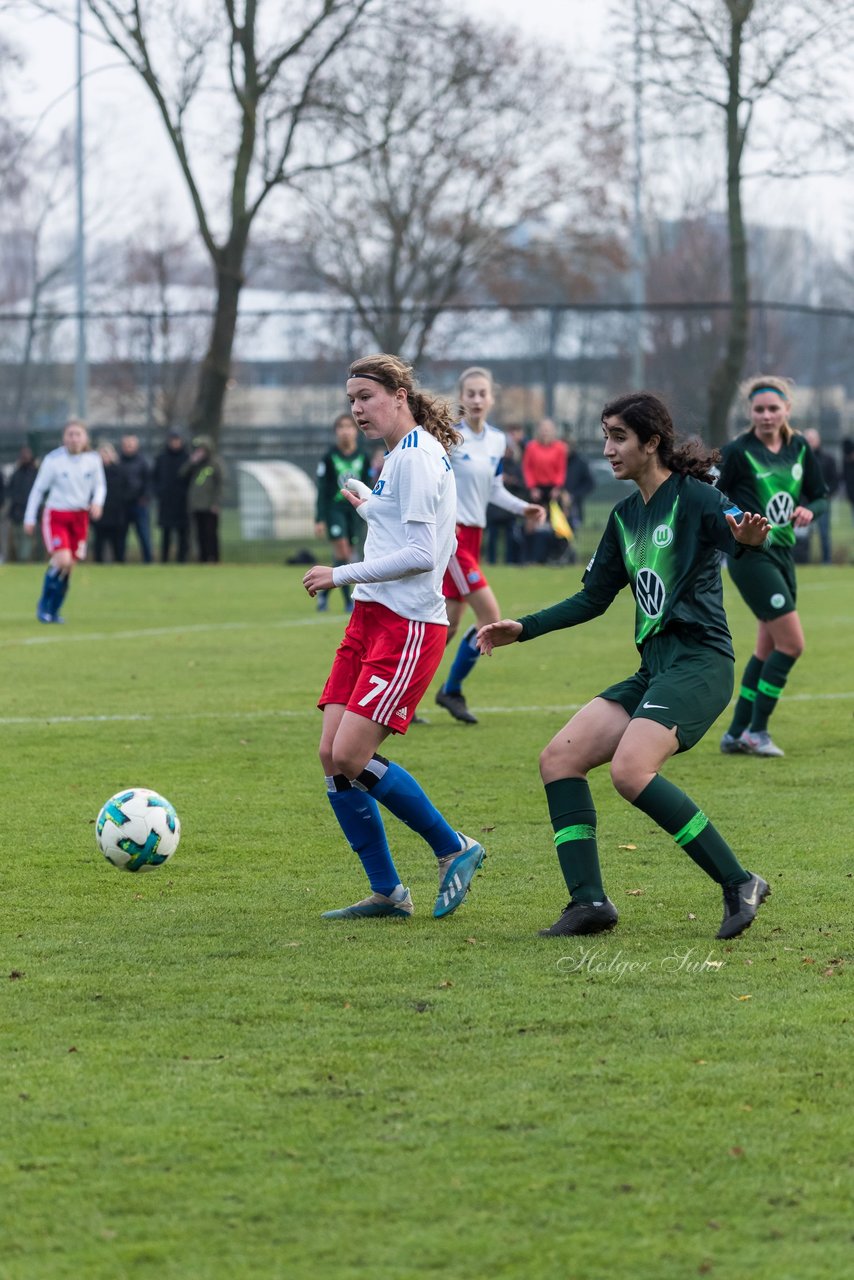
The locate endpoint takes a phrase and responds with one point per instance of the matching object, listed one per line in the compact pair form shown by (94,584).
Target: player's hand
(320,529)
(535,513)
(751,530)
(801,517)
(353,498)
(356,491)
(496,634)
(95,511)
(29,530)
(318,578)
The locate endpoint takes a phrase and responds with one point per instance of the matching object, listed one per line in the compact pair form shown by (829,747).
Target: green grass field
(202,1079)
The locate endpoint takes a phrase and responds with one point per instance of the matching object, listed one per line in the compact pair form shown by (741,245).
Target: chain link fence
(290,362)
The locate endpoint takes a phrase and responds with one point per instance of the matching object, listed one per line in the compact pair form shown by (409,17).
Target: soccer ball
(137,830)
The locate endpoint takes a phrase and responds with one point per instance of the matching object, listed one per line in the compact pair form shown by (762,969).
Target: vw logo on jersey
(650,592)
(662,536)
(797,471)
(779,509)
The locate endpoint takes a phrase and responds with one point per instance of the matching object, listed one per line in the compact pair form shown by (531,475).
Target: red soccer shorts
(66,531)
(384,664)
(463,574)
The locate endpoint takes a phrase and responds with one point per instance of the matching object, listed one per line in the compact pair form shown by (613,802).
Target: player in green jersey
(334,517)
(769,468)
(664,542)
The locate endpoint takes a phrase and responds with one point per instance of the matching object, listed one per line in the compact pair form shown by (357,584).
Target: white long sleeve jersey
(411,520)
(478,463)
(67,482)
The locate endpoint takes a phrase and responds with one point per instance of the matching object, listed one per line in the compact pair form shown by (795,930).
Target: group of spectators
(186,483)
(550,472)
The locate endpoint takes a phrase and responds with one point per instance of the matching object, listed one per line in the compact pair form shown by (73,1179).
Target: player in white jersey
(72,486)
(395,637)
(478,463)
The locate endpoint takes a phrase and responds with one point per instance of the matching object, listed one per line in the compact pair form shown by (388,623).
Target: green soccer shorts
(681,683)
(766,582)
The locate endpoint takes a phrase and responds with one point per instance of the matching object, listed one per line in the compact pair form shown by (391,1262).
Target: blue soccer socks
(360,820)
(466,656)
(403,796)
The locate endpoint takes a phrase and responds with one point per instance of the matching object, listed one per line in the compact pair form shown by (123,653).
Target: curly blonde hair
(770,382)
(433,413)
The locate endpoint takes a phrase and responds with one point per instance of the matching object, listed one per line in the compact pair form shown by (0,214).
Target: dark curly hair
(648,416)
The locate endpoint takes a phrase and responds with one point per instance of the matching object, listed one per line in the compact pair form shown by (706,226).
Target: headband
(757,391)
(373,377)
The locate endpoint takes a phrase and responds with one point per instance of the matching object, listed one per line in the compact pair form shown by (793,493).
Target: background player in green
(335,517)
(769,468)
(664,542)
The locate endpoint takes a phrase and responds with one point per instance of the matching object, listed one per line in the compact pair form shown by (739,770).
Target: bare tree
(486,133)
(251,99)
(776,75)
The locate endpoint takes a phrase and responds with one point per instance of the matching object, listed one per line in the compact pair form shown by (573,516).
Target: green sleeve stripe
(692,829)
(770,690)
(749,695)
(583,831)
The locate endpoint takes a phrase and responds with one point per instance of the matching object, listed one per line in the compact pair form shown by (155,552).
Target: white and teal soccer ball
(137,830)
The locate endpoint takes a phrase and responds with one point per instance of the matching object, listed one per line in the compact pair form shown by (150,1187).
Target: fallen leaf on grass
(16,973)
(691,915)
(293,944)
(736,1151)
(699,1062)
(742,997)
(471,941)
(808,960)
(487,828)
(634,893)
(445,983)
(626,846)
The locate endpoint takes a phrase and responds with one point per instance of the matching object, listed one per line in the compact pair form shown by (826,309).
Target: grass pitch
(203,1080)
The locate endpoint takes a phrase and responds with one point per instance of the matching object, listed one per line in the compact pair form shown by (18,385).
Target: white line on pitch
(144,717)
(65,637)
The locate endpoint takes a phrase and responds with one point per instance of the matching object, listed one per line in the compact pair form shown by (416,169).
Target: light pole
(638,276)
(81,369)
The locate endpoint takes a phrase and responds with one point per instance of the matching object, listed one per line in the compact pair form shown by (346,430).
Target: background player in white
(395,637)
(71,483)
(478,463)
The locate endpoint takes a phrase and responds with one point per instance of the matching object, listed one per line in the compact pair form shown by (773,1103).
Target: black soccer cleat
(741,902)
(583,917)
(456,704)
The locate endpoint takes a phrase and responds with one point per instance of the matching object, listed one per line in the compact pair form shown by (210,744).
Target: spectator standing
(501,523)
(848,471)
(136,472)
(830,472)
(110,529)
(205,477)
(170,490)
(18,545)
(544,469)
(579,484)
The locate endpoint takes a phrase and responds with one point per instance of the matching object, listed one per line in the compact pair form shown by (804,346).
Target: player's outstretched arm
(751,530)
(496,634)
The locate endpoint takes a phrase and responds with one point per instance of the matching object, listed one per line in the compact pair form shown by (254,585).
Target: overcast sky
(129,152)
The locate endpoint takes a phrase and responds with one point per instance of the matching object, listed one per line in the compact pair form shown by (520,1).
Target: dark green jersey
(668,552)
(332,471)
(773,484)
